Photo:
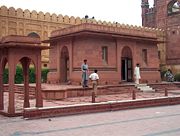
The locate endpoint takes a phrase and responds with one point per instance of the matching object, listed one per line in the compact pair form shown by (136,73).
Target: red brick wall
(149,71)
(173,39)
(90,48)
(161,13)
(52,75)
(86,41)
(170,23)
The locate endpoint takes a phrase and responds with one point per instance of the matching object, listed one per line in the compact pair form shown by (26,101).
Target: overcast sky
(122,11)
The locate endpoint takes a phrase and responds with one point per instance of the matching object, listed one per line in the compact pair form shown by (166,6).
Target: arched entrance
(126,65)
(64,65)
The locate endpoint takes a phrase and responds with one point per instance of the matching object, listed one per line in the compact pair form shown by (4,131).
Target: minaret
(144,7)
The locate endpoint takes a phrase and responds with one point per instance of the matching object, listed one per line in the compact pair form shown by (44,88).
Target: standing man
(84,69)
(137,74)
(94,78)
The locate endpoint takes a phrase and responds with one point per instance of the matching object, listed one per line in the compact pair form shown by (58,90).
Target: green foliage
(32,75)
(162,74)
(177,77)
(44,73)
(19,75)
(5,76)
(19,79)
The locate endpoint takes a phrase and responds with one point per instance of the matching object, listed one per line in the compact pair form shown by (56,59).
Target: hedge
(19,75)
(177,77)
(162,74)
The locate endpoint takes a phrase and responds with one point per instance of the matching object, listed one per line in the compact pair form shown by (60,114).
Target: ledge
(31,113)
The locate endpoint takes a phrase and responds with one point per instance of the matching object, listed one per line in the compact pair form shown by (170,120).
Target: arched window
(33,34)
(173,7)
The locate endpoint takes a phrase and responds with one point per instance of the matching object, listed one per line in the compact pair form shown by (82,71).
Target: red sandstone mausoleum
(112,50)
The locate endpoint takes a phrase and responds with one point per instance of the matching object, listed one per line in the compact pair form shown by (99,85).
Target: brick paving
(136,122)
(83,99)
(156,121)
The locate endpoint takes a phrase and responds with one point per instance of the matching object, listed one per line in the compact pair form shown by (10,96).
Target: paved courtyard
(156,121)
(19,97)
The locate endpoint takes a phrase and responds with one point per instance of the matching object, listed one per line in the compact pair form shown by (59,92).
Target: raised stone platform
(56,92)
(109,98)
(76,95)
(30,113)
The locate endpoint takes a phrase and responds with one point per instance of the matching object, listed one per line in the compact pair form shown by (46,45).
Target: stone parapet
(20,39)
(119,29)
(103,25)
(39,16)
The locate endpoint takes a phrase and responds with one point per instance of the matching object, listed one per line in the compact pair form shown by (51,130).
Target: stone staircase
(144,88)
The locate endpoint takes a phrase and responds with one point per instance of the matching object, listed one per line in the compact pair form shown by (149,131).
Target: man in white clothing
(137,74)
(94,78)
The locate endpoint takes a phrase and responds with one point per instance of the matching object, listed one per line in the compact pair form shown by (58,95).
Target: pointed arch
(126,52)
(64,65)
(33,34)
(173,7)
(126,64)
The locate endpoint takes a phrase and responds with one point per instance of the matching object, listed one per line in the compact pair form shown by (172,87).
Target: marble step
(145,88)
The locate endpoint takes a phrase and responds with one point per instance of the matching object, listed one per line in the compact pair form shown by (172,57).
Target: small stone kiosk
(26,50)
(112,49)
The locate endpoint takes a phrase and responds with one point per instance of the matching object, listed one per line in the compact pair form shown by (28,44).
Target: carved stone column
(1,85)
(25,63)
(11,107)
(39,100)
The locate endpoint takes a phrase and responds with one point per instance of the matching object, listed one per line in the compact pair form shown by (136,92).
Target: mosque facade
(165,14)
